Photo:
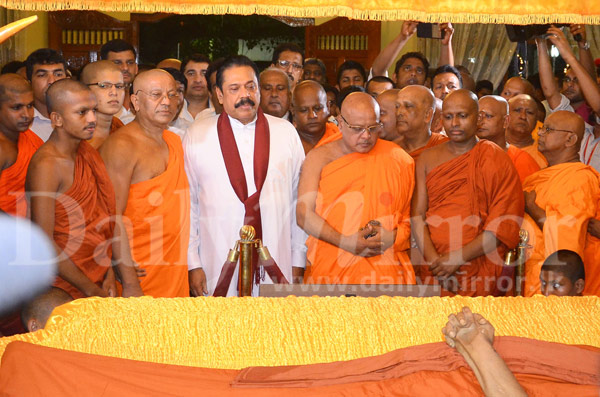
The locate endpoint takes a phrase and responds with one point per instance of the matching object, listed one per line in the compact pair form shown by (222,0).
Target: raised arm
(386,57)
(119,164)
(549,86)
(446,52)
(43,183)
(585,55)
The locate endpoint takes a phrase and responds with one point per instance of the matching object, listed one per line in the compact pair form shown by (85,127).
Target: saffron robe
(569,193)
(353,190)
(524,163)
(475,192)
(533,151)
(84,219)
(12,179)
(157,219)
(434,140)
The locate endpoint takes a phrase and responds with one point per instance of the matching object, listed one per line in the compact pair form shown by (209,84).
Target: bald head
(460,112)
(515,86)
(12,84)
(275,92)
(275,71)
(145,79)
(493,120)
(359,122)
(155,98)
(464,96)
(421,93)
(560,137)
(414,112)
(359,102)
(307,87)
(496,102)
(523,118)
(36,313)
(387,113)
(91,72)
(309,106)
(60,92)
(169,63)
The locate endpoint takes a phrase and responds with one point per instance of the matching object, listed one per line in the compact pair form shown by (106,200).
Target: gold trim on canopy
(458,11)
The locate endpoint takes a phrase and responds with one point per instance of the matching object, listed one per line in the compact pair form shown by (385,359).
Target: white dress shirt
(217,213)
(126,116)
(42,126)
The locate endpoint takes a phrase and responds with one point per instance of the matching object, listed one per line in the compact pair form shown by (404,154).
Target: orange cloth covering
(524,163)
(569,193)
(541,368)
(533,151)
(332,133)
(157,218)
(83,220)
(115,124)
(484,184)
(353,190)
(434,140)
(12,179)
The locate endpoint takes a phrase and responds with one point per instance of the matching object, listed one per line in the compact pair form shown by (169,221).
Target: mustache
(245,101)
(90,125)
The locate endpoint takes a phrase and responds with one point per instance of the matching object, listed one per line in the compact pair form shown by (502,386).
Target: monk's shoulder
(48,163)
(395,151)
(493,154)
(319,157)
(120,146)
(433,156)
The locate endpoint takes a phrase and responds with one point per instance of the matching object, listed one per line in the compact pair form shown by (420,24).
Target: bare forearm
(587,61)
(538,215)
(421,234)
(547,81)
(386,57)
(483,244)
(318,227)
(446,55)
(122,255)
(69,272)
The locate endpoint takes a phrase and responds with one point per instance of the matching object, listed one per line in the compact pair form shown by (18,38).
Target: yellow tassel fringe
(239,332)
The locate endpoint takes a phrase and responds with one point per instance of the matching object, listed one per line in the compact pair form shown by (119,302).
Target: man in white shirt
(44,67)
(243,168)
(197,103)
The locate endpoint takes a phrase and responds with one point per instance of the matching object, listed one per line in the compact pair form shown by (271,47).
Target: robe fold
(157,219)
(523,162)
(354,190)
(541,368)
(84,219)
(434,140)
(569,193)
(475,192)
(332,133)
(115,124)
(12,179)
(533,151)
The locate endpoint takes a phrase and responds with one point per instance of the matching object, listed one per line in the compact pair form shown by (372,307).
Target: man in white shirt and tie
(243,168)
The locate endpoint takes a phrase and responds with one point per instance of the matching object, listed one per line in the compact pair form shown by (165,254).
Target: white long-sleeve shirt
(217,214)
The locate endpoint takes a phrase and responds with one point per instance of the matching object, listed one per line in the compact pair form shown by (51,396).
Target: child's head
(563,274)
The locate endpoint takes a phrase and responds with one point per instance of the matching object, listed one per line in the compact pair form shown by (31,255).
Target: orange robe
(533,151)
(353,190)
(157,218)
(524,163)
(332,133)
(541,368)
(434,140)
(475,192)
(569,193)
(12,179)
(83,221)
(115,124)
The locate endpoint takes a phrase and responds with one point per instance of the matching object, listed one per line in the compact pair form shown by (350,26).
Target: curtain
(483,48)
(11,49)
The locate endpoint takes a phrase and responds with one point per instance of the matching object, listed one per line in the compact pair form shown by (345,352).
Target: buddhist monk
(467,206)
(563,274)
(106,82)
(17,142)
(36,313)
(310,113)
(493,120)
(354,202)
(414,112)
(145,163)
(71,196)
(560,201)
(522,123)
(517,86)
(387,115)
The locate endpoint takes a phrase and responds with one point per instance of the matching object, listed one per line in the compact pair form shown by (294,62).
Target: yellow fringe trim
(239,332)
(314,11)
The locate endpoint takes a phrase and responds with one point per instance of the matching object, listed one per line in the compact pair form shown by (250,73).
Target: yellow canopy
(459,11)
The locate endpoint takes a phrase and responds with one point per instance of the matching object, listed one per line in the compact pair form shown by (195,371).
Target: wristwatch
(585,46)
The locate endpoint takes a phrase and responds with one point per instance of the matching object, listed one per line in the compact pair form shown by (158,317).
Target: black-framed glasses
(548,130)
(359,129)
(286,64)
(105,85)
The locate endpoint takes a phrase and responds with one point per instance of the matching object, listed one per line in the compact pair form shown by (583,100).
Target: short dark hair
(200,58)
(43,56)
(12,67)
(177,75)
(286,47)
(347,91)
(484,84)
(116,45)
(318,62)
(380,79)
(567,262)
(213,67)
(351,65)
(233,61)
(416,55)
(447,69)
(332,89)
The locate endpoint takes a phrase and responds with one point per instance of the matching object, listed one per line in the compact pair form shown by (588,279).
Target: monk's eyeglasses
(156,96)
(105,85)
(548,130)
(359,129)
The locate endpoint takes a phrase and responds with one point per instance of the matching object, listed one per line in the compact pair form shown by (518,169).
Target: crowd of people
(143,178)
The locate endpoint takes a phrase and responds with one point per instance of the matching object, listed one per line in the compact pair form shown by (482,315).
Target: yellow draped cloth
(233,333)
(458,11)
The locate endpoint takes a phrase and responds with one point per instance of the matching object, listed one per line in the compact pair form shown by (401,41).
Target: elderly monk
(71,195)
(467,206)
(145,163)
(354,202)
(414,112)
(106,82)
(522,124)
(493,120)
(17,142)
(309,108)
(275,93)
(387,115)
(560,201)
(517,86)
